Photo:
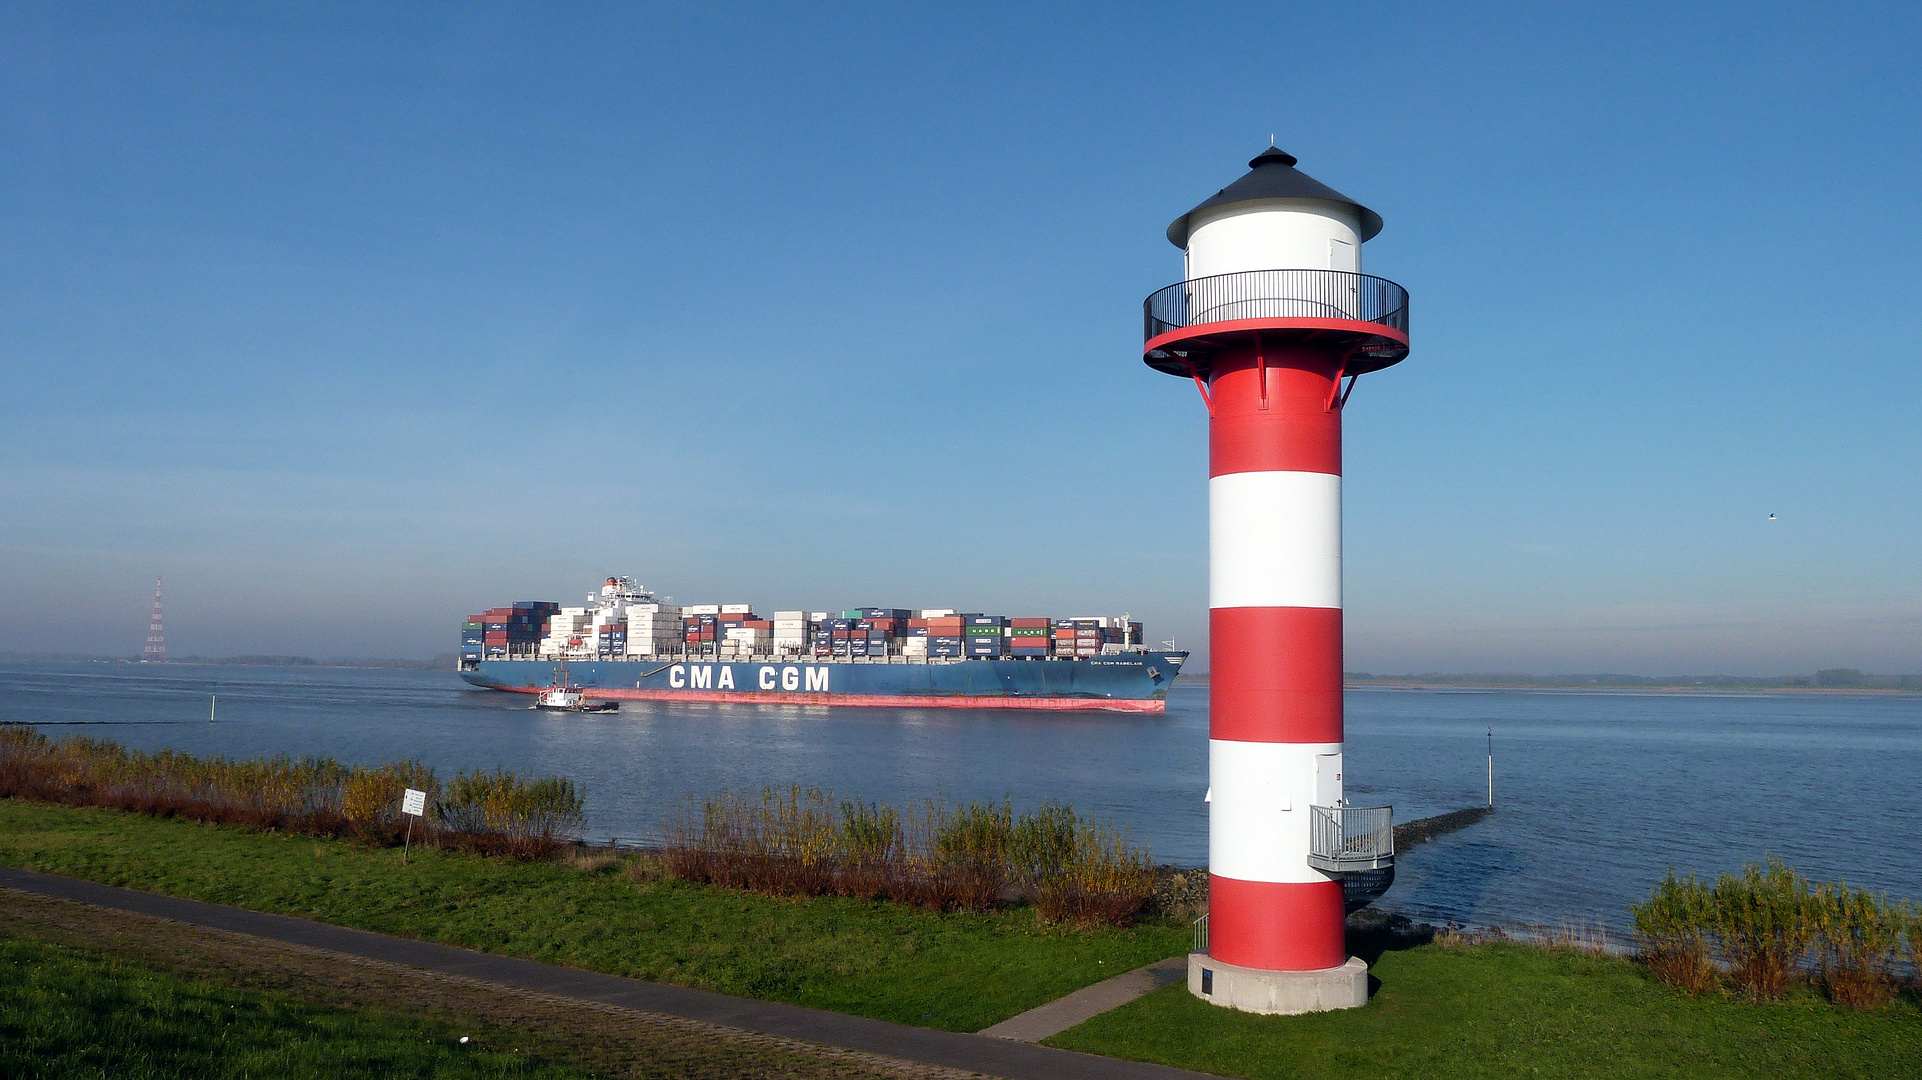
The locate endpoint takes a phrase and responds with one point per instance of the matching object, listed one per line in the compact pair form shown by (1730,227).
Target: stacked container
(986,636)
(473,640)
(945,634)
(790,632)
(497,633)
(1029,637)
(652,629)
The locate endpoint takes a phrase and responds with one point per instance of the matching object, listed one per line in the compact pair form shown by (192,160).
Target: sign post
(413,804)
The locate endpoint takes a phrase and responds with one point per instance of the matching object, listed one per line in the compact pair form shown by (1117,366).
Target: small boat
(563,697)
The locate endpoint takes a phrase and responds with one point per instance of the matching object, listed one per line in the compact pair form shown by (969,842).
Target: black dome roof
(1272,175)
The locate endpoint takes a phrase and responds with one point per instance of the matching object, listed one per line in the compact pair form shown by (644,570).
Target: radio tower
(156,650)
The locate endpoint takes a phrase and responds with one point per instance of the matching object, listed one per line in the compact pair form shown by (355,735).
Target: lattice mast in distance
(156,650)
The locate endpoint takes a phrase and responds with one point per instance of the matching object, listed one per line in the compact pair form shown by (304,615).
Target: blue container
(937,641)
(944,650)
(912,631)
(841,624)
(877,648)
(987,620)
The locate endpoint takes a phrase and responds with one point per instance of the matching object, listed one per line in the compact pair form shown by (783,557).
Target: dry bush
(1578,935)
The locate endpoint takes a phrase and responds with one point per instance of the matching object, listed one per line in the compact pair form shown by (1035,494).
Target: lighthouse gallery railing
(1351,837)
(1276,294)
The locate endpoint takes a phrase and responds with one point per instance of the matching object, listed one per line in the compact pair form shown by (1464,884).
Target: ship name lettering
(767,678)
(790,678)
(727,678)
(701,677)
(817,679)
(677,676)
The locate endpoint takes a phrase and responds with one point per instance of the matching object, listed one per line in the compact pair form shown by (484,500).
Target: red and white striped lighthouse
(1273,321)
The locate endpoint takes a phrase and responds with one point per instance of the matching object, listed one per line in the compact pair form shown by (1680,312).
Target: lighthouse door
(1327,779)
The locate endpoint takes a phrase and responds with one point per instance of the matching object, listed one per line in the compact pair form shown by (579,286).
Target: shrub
(371,799)
(801,842)
(496,812)
(1860,936)
(502,813)
(1674,924)
(1764,919)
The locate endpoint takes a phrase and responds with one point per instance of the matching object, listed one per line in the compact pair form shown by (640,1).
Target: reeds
(973,856)
(1765,927)
(487,812)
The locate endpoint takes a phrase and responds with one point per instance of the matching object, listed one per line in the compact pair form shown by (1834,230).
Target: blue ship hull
(1128,682)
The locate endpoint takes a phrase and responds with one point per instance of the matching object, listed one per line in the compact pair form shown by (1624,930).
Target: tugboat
(563,697)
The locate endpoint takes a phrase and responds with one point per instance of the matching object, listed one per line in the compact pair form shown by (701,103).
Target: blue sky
(350,319)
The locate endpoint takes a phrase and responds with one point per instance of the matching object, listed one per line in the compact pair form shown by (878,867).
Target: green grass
(65,1014)
(1508,1011)
(955,972)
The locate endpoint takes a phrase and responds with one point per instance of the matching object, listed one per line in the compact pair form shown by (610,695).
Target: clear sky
(351,319)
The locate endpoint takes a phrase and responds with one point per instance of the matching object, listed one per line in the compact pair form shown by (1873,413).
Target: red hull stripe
(1276,926)
(1297,431)
(899,701)
(1277,674)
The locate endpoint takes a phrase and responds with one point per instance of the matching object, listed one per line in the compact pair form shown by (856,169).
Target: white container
(780,616)
(701,609)
(935,613)
(735,609)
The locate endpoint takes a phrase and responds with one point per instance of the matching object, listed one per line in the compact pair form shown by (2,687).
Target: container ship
(626,643)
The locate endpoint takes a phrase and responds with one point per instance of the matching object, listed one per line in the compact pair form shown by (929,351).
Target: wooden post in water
(1491,768)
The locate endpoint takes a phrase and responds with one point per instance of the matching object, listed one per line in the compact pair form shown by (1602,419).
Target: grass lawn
(1511,1011)
(88,991)
(955,972)
(64,1013)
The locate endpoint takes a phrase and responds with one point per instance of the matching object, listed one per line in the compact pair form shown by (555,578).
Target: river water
(1597,793)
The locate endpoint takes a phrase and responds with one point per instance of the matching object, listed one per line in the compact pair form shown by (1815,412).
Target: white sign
(414,802)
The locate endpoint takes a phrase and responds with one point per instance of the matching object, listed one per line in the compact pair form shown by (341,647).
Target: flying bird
(1771,517)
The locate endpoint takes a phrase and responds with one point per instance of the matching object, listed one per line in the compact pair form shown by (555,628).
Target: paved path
(1089,1002)
(974,1053)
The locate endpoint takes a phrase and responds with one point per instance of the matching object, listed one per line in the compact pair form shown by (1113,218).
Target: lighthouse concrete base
(1283,993)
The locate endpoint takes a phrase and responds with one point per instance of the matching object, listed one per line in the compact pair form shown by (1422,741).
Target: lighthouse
(1273,322)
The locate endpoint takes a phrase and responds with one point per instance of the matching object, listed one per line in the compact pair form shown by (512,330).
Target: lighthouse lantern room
(1273,321)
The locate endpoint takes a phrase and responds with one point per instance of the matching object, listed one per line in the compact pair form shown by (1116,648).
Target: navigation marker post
(413,804)
(1491,768)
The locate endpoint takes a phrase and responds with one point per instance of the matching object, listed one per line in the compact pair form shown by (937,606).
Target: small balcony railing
(1345,838)
(1276,294)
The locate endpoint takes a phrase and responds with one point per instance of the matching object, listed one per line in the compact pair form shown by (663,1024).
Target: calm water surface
(1597,792)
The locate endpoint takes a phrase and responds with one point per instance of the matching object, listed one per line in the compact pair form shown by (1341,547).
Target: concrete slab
(1089,1002)
(1278,993)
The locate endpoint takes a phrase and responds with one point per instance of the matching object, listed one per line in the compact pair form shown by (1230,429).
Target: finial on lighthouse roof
(1272,175)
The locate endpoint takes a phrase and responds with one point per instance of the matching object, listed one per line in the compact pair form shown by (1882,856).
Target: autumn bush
(936,855)
(1767,927)
(487,812)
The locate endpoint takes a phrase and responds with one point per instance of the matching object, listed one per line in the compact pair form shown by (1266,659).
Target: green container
(983,631)
(473,626)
